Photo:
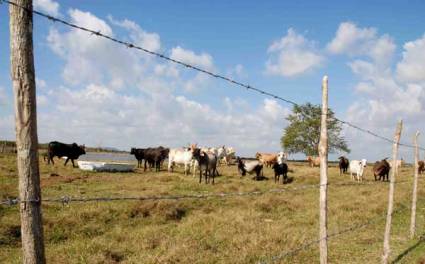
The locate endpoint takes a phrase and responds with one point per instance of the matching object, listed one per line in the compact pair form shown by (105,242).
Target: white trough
(105,166)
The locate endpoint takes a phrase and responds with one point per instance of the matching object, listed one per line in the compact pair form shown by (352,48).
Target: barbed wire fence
(69,199)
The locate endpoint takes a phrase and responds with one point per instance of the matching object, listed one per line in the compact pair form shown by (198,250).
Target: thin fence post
(415,188)
(23,80)
(323,153)
(394,171)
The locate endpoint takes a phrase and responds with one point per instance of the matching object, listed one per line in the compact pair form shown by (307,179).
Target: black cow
(155,156)
(343,165)
(207,162)
(70,151)
(381,169)
(139,154)
(280,169)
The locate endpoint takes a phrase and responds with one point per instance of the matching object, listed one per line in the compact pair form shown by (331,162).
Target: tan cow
(313,161)
(267,159)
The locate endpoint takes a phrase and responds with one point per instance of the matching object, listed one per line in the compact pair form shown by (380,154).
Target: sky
(95,92)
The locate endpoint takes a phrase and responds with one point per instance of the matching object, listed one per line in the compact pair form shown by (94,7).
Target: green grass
(214,230)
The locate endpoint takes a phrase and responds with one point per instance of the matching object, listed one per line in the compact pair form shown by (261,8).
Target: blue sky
(100,94)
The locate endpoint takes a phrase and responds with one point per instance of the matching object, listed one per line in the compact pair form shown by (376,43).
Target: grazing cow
(267,159)
(280,169)
(139,154)
(155,156)
(250,167)
(421,166)
(180,156)
(207,162)
(313,161)
(70,151)
(343,165)
(357,167)
(381,169)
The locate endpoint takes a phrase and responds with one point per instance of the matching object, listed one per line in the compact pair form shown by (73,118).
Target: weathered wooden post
(323,153)
(23,79)
(394,170)
(415,188)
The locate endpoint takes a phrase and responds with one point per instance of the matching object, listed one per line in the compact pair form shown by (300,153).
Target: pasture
(215,230)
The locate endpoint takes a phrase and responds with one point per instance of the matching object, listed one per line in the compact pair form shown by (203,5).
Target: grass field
(214,230)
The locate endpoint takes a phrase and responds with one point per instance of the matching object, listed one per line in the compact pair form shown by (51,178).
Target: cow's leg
(66,161)
(200,174)
(213,176)
(73,165)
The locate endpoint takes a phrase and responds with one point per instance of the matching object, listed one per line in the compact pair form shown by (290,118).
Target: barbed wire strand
(196,68)
(310,243)
(68,199)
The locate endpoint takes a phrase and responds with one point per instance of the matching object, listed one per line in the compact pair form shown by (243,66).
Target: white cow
(180,156)
(230,154)
(281,157)
(357,167)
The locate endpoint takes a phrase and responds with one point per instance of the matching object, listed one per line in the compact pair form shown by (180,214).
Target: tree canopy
(303,132)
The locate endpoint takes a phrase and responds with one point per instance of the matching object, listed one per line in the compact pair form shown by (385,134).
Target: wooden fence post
(415,188)
(323,153)
(394,170)
(23,80)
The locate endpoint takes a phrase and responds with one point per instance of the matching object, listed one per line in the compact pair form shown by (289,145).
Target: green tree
(303,132)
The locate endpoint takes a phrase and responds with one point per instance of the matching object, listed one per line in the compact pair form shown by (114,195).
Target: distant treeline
(8,146)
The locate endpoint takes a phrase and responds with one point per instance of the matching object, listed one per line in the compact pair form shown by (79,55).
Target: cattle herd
(207,159)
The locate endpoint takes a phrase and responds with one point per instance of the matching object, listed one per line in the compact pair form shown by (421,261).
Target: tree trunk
(323,153)
(23,79)
(415,188)
(394,170)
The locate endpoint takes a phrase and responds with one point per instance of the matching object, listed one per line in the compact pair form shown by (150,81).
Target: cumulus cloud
(115,96)
(99,113)
(292,55)
(412,67)
(382,99)
(355,41)
(48,6)
(203,60)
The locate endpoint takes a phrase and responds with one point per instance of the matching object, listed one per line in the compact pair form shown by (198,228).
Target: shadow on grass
(408,250)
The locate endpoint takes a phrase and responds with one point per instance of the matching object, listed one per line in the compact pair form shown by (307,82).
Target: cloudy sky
(93,91)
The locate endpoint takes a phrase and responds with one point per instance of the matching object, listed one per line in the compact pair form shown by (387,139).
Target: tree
(303,132)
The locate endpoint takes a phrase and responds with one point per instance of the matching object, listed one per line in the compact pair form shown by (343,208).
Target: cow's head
(133,151)
(363,163)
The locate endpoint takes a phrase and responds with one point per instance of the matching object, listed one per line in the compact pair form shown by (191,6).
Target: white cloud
(203,60)
(40,83)
(48,6)
(383,100)
(292,55)
(138,36)
(412,67)
(97,113)
(354,41)
(115,96)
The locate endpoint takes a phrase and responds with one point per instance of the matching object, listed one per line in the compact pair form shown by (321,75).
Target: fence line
(272,259)
(68,199)
(196,68)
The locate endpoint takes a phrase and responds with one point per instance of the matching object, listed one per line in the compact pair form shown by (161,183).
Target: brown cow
(267,159)
(421,166)
(313,161)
